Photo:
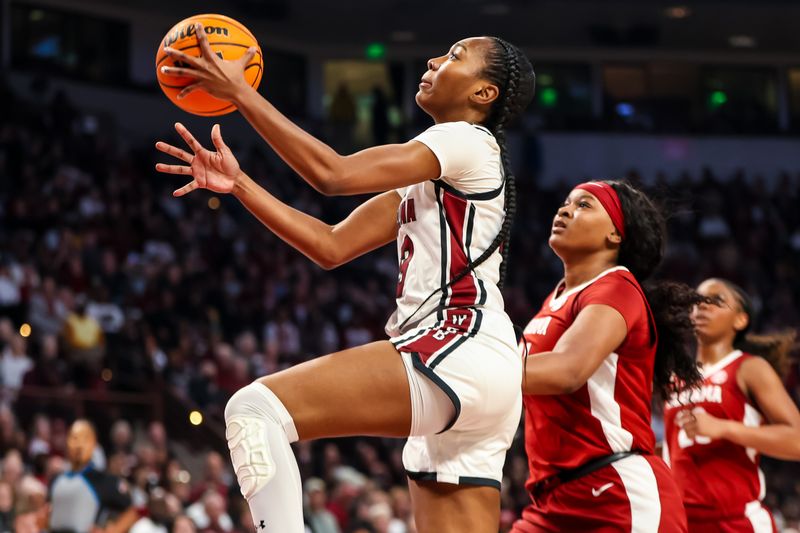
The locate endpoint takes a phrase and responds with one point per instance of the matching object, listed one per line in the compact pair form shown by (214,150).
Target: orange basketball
(228,38)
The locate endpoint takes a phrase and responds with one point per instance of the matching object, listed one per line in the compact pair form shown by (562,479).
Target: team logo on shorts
(719,378)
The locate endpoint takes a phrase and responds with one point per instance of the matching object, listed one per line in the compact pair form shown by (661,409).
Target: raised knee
(243,402)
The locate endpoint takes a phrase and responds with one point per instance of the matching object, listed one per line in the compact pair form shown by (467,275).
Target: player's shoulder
(615,279)
(462,131)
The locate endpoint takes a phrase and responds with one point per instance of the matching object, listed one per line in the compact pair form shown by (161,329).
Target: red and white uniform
(457,337)
(609,414)
(721,482)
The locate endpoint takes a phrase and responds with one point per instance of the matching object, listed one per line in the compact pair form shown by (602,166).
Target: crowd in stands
(123,286)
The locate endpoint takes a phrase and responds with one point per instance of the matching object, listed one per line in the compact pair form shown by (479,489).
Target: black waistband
(566,476)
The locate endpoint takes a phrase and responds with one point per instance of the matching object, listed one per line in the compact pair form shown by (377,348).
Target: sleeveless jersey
(445,223)
(717,478)
(611,412)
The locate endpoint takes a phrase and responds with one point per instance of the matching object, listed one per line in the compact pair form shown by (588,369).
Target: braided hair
(508,68)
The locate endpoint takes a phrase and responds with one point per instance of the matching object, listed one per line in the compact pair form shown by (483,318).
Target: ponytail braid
(512,72)
(510,69)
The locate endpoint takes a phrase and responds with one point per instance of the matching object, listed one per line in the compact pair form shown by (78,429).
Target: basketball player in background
(598,348)
(449,376)
(715,433)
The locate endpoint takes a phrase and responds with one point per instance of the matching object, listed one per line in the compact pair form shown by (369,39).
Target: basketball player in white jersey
(449,377)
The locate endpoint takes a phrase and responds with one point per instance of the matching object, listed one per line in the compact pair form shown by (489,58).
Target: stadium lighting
(548,97)
(375,51)
(677,12)
(195,418)
(717,99)
(742,41)
(624,109)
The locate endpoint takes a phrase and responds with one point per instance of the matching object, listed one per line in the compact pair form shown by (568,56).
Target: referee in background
(83,499)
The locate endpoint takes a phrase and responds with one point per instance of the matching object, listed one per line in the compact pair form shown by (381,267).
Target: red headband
(607,196)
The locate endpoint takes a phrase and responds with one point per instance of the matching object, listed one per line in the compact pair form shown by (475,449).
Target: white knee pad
(253,416)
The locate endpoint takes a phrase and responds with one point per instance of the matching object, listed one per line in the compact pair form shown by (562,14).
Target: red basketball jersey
(717,478)
(611,412)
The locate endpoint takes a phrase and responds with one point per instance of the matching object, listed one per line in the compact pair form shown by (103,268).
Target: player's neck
(709,354)
(579,271)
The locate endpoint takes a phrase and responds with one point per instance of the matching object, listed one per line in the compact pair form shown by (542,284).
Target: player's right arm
(779,437)
(369,226)
(376,169)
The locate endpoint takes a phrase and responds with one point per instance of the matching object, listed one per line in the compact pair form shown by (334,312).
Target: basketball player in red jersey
(715,433)
(449,376)
(597,348)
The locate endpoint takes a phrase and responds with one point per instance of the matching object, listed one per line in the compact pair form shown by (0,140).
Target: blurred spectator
(49,370)
(47,311)
(79,497)
(162,510)
(210,514)
(14,363)
(39,443)
(6,507)
(10,293)
(213,477)
(13,468)
(318,518)
(85,342)
(183,524)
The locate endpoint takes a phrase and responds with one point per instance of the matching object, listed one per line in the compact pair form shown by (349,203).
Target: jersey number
(406,253)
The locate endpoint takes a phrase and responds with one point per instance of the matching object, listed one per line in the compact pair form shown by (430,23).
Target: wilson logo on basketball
(187,31)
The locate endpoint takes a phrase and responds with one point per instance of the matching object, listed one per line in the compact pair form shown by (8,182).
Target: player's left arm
(780,437)
(597,331)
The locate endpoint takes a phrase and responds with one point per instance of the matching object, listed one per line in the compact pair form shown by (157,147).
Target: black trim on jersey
(484,129)
(462,480)
(439,382)
(421,476)
(444,242)
(477,326)
(483,291)
(480,481)
(480,196)
(474,275)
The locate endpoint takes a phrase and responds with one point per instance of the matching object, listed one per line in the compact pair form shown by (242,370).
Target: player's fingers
(249,55)
(178,55)
(186,189)
(188,137)
(174,169)
(683,417)
(205,47)
(216,138)
(188,89)
(174,151)
(183,72)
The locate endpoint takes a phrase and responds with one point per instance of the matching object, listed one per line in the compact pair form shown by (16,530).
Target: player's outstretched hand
(215,171)
(218,77)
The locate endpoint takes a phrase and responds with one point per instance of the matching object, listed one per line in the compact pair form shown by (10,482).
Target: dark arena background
(144,313)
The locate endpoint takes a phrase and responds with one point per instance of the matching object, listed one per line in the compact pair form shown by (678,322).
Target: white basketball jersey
(445,223)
